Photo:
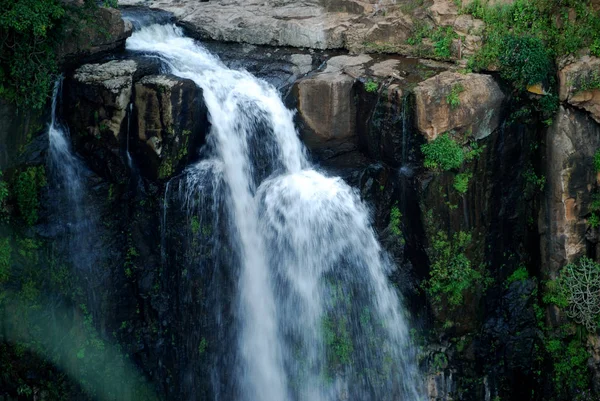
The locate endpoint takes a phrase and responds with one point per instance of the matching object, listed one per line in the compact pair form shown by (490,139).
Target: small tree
(581,283)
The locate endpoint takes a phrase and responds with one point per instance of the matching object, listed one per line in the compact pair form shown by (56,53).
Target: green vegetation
(195,225)
(461,182)
(453,98)
(441,39)
(580,283)
(587,82)
(522,39)
(569,363)
(395,224)
(597,161)
(202,346)
(451,272)
(5,259)
(520,274)
(4,194)
(533,182)
(538,29)
(338,341)
(443,153)
(27,187)
(30,29)
(371,86)
(442,42)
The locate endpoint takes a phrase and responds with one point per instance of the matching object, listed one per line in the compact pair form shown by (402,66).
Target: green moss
(5,259)
(520,274)
(395,224)
(461,182)
(597,161)
(337,340)
(166,169)
(27,187)
(195,225)
(202,346)
(443,153)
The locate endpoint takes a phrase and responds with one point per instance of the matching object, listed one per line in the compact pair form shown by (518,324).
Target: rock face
(469,104)
(580,84)
(356,25)
(121,106)
(167,111)
(109,32)
(570,180)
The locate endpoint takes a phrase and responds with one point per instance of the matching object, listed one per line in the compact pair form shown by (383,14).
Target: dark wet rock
(170,123)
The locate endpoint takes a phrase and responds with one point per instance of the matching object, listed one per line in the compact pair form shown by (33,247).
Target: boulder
(100,95)
(570,175)
(327,108)
(170,120)
(468,104)
(108,32)
(580,84)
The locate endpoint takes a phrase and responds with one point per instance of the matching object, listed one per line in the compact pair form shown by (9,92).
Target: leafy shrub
(520,274)
(451,273)
(443,153)
(595,48)
(461,182)
(442,41)
(371,86)
(27,189)
(453,98)
(580,282)
(30,29)
(395,222)
(524,60)
(594,220)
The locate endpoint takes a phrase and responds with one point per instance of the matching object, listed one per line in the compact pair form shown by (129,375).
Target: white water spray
(319,319)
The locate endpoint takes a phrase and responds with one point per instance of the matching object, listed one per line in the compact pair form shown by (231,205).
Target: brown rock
(478,111)
(169,111)
(570,177)
(573,79)
(326,105)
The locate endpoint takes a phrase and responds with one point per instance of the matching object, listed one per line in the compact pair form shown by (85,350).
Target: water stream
(317,316)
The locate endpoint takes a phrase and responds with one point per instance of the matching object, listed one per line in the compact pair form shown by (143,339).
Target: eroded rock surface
(578,81)
(570,181)
(169,111)
(468,104)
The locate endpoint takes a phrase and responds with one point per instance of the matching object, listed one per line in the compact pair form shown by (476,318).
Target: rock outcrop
(468,104)
(359,26)
(579,83)
(570,182)
(168,110)
(108,32)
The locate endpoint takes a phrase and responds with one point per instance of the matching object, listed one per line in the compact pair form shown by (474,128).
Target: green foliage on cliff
(5,259)
(29,30)
(521,40)
(371,86)
(27,187)
(443,153)
(461,182)
(451,272)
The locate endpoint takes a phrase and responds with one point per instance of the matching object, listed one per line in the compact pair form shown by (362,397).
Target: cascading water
(317,317)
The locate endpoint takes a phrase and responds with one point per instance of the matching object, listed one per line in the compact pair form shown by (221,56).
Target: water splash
(318,318)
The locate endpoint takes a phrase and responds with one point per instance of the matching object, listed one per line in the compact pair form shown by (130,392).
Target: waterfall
(317,316)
